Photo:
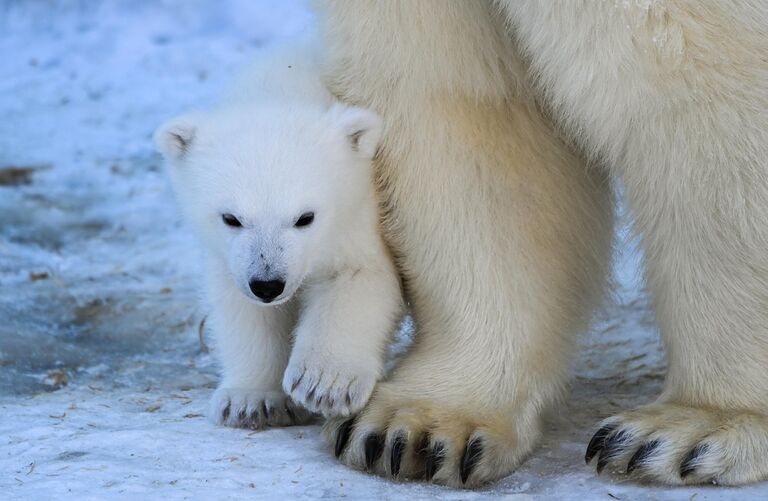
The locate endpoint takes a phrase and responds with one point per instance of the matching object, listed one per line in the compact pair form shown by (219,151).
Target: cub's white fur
(502,232)
(279,147)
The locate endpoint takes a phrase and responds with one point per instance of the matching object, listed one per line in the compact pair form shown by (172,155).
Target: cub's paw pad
(428,442)
(330,390)
(675,444)
(255,409)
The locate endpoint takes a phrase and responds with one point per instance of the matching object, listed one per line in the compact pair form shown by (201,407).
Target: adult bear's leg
(501,233)
(675,95)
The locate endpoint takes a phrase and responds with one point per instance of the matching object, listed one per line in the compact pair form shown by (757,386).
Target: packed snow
(104,375)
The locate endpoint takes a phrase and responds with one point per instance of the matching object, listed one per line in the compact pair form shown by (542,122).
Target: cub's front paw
(332,389)
(256,409)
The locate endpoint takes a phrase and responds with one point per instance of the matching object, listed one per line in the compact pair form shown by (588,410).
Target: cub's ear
(175,137)
(362,127)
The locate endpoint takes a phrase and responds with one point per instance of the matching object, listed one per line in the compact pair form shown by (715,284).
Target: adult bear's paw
(430,439)
(676,444)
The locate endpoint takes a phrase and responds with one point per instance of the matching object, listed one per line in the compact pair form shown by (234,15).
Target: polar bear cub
(277,180)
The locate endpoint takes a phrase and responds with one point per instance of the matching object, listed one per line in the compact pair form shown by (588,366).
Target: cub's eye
(231,220)
(305,220)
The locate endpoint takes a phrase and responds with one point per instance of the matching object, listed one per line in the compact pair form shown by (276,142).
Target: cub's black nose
(266,291)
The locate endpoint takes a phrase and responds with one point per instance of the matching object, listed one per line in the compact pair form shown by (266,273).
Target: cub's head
(269,189)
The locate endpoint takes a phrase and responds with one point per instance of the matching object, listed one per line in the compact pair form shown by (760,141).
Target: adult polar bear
(503,234)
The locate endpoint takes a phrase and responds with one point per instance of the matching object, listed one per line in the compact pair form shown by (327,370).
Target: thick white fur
(277,147)
(502,233)
(673,96)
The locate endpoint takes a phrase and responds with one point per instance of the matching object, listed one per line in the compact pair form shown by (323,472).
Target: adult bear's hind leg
(675,95)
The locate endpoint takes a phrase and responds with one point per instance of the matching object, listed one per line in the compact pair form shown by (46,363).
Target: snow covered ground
(103,379)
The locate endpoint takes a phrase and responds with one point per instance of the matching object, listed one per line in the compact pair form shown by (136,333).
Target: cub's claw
(255,409)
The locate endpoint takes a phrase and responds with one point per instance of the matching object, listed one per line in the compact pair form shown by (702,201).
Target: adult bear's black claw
(598,441)
(689,464)
(374,445)
(639,457)
(471,457)
(612,447)
(434,460)
(396,455)
(342,436)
